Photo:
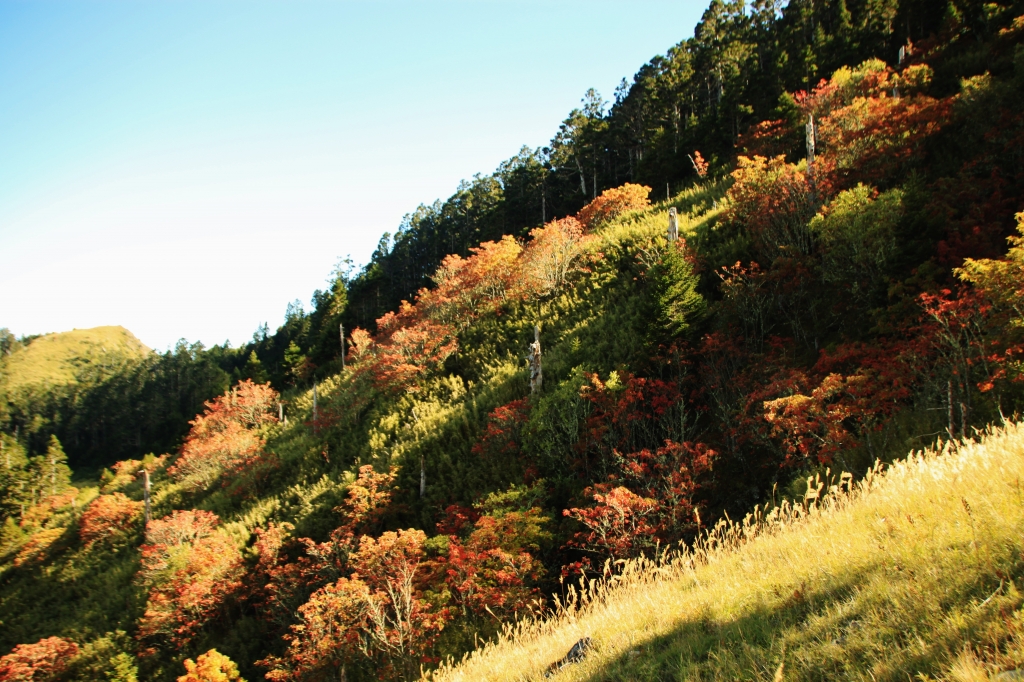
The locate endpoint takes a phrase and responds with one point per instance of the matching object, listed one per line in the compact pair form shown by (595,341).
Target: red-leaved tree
(37,662)
(191,568)
(227,436)
(377,612)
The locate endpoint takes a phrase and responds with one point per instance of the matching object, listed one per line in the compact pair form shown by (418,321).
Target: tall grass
(913,573)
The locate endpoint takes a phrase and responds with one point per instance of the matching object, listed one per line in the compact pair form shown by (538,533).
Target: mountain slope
(917,573)
(363,520)
(64,358)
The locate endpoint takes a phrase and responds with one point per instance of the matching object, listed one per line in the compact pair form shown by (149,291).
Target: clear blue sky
(186,169)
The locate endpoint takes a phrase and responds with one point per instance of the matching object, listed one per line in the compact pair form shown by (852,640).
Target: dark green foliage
(681,304)
(142,406)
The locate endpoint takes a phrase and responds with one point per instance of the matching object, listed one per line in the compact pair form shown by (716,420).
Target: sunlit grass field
(913,573)
(62,358)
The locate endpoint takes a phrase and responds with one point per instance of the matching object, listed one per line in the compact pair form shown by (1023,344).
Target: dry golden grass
(913,574)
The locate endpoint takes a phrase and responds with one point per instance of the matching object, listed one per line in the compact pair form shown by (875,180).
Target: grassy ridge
(914,574)
(62,358)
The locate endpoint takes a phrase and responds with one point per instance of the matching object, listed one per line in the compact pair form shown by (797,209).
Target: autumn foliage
(38,545)
(212,666)
(386,597)
(38,513)
(614,202)
(106,517)
(490,563)
(37,662)
(419,337)
(773,200)
(226,438)
(619,525)
(190,568)
(821,312)
(125,472)
(866,129)
(375,608)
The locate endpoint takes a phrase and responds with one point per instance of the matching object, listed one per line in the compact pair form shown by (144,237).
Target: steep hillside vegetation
(563,395)
(912,573)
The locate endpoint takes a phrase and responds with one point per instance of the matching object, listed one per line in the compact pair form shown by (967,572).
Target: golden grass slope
(65,357)
(914,574)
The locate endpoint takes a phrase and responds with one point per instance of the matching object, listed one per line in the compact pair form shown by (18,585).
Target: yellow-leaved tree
(212,666)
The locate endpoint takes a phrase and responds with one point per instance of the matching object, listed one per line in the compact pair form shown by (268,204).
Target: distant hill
(104,394)
(67,357)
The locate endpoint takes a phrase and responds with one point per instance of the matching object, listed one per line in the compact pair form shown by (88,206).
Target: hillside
(104,394)
(64,358)
(915,573)
(836,283)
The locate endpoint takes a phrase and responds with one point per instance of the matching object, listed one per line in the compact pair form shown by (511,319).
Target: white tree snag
(536,374)
(809,129)
(145,492)
(673,224)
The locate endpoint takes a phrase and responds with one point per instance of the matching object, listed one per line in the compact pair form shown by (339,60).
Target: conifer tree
(56,473)
(13,475)
(254,369)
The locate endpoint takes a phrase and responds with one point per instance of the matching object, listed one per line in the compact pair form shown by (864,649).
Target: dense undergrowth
(818,312)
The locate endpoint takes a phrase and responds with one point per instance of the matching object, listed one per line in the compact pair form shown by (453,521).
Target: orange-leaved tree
(555,253)
(126,471)
(378,612)
(465,288)
(37,514)
(864,130)
(773,200)
(284,585)
(620,525)
(43,660)
(408,345)
(613,203)
(106,517)
(491,571)
(227,436)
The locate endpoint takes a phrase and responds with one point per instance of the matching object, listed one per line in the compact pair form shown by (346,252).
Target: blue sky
(186,169)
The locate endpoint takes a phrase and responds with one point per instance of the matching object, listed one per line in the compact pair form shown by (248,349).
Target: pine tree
(254,369)
(56,473)
(13,483)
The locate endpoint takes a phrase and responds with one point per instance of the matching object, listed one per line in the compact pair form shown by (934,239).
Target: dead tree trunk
(809,140)
(423,477)
(145,493)
(536,373)
(673,224)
